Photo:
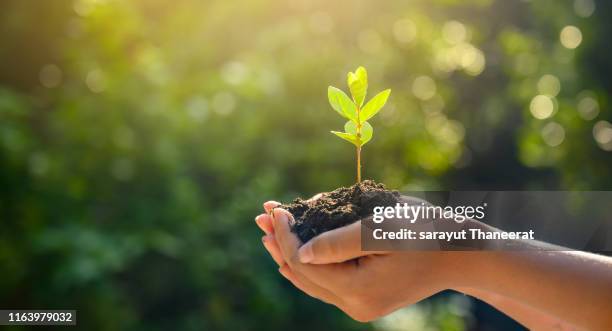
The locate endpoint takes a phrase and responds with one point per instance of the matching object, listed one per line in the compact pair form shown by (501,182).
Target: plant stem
(358,164)
(359,146)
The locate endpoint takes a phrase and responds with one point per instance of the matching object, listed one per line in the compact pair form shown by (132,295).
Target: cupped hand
(332,268)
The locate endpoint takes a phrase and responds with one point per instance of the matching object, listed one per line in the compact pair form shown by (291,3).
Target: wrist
(466,267)
(458,269)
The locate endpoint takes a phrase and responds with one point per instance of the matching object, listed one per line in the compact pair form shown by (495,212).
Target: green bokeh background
(139,138)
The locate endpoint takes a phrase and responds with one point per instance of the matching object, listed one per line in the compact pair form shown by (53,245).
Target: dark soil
(338,208)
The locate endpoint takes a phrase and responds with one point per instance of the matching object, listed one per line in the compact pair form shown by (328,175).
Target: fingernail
(305,253)
(269,205)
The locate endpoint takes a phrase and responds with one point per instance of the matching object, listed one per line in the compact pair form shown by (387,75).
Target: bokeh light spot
(553,134)
(83,7)
(571,37)
(234,72)
(549,85)
(434,105)
(454,32)
(424,87)
(584,8)
(588,107)
(435,123)
(410,318)
(96,81)
(542,107)
(453,132)
(404,31)
(602,132)
(473,61)
(224,102)
(50,76)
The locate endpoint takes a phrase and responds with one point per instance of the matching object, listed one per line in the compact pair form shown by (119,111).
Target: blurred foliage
(139,138)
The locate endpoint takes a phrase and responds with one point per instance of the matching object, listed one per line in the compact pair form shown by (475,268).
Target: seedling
(357,130)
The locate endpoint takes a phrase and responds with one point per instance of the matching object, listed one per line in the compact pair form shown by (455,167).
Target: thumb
(334,246)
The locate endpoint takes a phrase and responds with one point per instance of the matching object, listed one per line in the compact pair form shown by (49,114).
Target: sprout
(357,130)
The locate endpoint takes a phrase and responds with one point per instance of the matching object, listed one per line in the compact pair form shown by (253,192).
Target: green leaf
(351,128)
(342,103)
(366,133)
(358,84)
(348,137)
(362,74)
(374,105)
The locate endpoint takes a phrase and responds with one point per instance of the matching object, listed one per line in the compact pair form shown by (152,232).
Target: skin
(531,287)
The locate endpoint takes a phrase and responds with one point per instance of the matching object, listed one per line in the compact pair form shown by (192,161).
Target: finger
(298,281)
(271,246)
(330,276)
(270,205)
(308,287)
(338,245)
(264,221)
(288,242)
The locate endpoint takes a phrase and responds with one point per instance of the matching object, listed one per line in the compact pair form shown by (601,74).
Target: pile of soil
(338,208)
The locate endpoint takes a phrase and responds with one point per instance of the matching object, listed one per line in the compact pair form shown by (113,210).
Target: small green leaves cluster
(356,130)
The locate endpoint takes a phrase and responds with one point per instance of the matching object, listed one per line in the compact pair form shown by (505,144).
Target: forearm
(531,318)
(575,285)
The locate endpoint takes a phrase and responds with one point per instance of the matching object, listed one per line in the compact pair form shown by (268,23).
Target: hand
(530,286)
(365,288)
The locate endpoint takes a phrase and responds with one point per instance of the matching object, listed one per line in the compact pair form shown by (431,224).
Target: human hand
(368,287)
(365,287)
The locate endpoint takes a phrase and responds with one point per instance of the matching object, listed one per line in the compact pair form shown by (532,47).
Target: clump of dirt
(338,208)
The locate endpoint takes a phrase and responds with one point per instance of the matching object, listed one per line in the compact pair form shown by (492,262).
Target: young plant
(357,130)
